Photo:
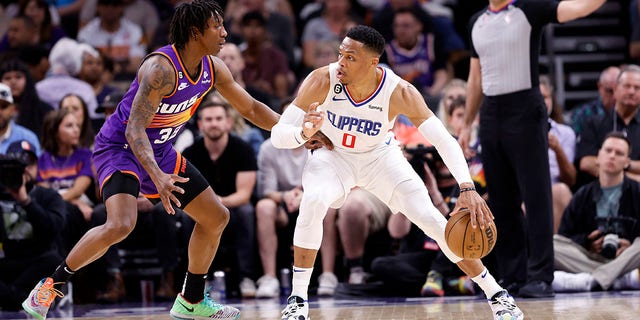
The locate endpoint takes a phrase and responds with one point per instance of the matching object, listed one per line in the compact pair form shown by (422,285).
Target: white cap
(5,93)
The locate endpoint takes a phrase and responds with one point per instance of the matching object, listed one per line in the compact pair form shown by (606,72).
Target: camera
(613,229)
(11,171)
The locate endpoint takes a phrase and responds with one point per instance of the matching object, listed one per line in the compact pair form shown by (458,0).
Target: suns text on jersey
(349,123)
(165,108)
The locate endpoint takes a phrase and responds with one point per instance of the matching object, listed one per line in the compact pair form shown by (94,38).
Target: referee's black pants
(513,135)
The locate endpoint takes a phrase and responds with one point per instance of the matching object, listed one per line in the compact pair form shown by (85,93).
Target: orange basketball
(467,242)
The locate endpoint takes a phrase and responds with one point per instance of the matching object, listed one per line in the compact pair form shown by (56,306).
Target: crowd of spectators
(64,64)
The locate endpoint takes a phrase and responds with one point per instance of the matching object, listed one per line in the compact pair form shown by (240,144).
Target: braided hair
(190,15)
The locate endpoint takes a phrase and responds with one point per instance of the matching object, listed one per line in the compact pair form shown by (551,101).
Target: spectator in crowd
(504,78)
(110,103)
(413,55)
(229,165)
(244,131)
(280,28)
(66,60)
(623,118)
(78,108)
(383,16)
(599,106)
(9,130)
(68,11)
(454,89)
(37,60)
(598,244)
(114,35)
(93,71)
(562,150)
(47,32)
(140,12)
(22,32)
(266,66)
(233,58)
(37,215)
(30,109)
(64,165)
(330,27)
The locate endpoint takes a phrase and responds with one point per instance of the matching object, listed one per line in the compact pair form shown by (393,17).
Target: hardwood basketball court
(623,305)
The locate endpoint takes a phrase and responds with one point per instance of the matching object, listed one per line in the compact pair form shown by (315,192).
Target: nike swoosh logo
(297,270)
(188,309)
(68,271)
(485,274)
(338,99)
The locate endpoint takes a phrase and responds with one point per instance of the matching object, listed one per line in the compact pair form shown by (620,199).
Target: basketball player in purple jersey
(134,154)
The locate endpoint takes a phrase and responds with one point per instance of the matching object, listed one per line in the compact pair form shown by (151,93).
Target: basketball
(467,242)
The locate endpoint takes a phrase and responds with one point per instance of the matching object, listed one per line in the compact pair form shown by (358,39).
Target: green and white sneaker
(205,309)
(40,299)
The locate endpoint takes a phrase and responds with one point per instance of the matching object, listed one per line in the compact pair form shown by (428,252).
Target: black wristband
(467,189)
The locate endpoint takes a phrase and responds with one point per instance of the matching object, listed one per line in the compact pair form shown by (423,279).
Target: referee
(503,85)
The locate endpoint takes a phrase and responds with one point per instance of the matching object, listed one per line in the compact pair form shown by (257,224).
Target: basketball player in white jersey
(355,102)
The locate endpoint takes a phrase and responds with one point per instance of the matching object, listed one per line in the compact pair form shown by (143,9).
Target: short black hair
(618,135)
(189,15)
(253,16)
(370,37)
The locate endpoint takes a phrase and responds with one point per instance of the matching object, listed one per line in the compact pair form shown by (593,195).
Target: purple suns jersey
(112,152)
(174,110)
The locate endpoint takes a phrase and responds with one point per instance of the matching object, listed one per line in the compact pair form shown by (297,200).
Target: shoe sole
(178,316)
(32,312)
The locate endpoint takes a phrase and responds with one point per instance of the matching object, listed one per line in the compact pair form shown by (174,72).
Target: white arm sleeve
(287,133)
(447,147)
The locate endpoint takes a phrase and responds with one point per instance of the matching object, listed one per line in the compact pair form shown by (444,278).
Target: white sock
(300,283)
(627,281)
(487,283)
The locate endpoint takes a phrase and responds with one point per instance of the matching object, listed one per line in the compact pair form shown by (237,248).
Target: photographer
(598,245)
(32,217)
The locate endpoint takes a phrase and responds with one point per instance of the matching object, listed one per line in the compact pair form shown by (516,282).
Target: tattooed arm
(156,79)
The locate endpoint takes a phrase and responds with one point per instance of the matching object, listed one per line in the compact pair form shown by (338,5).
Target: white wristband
(287,133)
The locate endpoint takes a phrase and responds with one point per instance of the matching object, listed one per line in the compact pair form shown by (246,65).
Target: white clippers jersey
(358,126)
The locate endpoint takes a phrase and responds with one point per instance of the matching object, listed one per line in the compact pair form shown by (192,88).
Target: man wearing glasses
(623,118)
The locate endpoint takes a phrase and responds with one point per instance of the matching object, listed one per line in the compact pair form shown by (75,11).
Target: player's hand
(479,210)
(312,120)
(317,141)
(464,139)
(166,188)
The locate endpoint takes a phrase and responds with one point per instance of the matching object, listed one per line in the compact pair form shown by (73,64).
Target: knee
(120,229)
(221,219)
(561,191)
(354,210)
(266,210)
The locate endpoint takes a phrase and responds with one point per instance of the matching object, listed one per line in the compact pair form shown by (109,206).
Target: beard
(214,134)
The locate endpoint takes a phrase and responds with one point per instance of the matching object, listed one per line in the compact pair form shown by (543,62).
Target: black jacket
(40,223)
(579,219)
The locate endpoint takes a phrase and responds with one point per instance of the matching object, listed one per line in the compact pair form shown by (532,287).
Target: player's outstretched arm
(407,100)
(250,108)
(156,79)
